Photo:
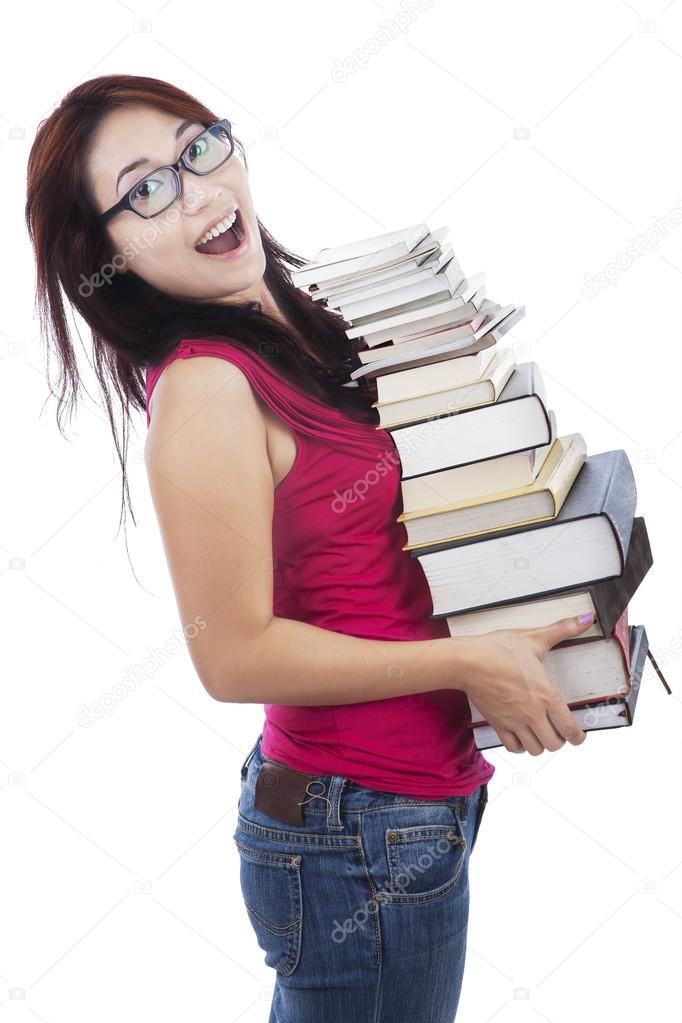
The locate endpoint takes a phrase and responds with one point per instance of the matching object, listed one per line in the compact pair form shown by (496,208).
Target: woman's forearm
(292,662)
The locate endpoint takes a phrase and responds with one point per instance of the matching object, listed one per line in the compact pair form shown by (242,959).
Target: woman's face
(162,249)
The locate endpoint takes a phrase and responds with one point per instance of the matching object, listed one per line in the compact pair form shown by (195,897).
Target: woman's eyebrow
(145,159)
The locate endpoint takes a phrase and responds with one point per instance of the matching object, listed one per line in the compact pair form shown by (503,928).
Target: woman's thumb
(565,628)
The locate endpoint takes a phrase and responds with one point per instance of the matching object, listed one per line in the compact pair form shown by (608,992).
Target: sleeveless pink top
(339,565)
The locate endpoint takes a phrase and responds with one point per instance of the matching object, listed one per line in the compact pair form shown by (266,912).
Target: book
(429,254)
(389,301)
(426,319)
(586,542)
(478,392)
(584,673)
(434,376)
(394,353)
(513,525)
(606,600)
(446,351)
(377,292)
(390,282)
(454,343)
(518,420)
(541,500)
(368,254)
(415,310)
(615,712)
(476,479)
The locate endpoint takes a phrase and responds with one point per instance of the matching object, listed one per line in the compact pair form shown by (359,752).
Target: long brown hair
(134,325)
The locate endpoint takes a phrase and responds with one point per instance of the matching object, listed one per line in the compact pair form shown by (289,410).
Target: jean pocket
(271,888)
(424,862)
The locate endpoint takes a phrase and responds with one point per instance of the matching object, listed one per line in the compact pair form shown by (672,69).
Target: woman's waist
(384,735)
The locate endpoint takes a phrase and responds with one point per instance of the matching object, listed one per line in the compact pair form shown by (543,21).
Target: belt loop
(334,803)
(249,757)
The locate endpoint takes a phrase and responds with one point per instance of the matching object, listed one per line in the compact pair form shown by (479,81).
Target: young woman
(277,499)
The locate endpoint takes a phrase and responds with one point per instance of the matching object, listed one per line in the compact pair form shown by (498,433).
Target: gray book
(586,542)
(518,420)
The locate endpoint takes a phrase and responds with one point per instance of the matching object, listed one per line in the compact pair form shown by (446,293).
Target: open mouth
(226,241)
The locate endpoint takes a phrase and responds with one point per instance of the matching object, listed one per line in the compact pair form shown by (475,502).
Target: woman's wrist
(456,662)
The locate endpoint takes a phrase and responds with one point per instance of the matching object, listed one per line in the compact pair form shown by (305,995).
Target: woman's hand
(508,683)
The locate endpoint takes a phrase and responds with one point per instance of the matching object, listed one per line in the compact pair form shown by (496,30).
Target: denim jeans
(362,911)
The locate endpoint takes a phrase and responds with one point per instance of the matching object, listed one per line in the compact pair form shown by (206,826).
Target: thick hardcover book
(607,599)
(466,574)
(585,673)
(518,420)
(614,713)
(605,485)
(541,501)
(525,381)
(470,394)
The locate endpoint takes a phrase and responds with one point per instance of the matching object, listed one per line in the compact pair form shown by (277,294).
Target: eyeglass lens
(206,152)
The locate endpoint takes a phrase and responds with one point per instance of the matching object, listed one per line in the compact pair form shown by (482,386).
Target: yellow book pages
(557,476)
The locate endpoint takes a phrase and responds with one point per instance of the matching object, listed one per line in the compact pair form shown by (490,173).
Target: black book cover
(611,596)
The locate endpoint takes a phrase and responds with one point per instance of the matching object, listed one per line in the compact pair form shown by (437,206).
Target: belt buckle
(280,791)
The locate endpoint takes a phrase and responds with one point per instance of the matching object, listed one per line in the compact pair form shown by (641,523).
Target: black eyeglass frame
(125,202)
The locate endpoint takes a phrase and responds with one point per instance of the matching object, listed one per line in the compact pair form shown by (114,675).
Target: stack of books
(513,525)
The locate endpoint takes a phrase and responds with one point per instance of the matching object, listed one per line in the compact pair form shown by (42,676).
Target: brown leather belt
(281,791)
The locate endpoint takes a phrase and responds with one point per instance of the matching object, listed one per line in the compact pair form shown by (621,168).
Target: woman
(277,499)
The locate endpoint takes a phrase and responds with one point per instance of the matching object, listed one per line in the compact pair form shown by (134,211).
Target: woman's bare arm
(213,491)
(212,487)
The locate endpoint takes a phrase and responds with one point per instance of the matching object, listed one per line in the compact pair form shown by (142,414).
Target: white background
(547,137)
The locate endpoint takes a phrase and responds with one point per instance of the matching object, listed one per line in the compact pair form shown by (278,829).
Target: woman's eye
(145,189)
(198,148)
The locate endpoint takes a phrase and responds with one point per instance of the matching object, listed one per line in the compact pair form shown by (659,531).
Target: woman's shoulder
(257,373)
(194,373)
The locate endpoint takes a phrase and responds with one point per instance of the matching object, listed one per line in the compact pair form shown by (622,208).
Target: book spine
(619,502)
(611,596)
(538,385)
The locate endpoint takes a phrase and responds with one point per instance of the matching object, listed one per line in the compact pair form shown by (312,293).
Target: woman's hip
(368,894)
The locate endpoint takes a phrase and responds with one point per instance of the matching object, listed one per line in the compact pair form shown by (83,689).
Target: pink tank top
(339,565)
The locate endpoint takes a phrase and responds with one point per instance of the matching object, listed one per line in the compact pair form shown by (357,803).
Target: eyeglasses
(159,190)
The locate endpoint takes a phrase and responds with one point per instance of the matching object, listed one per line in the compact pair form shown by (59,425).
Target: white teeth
(220,228)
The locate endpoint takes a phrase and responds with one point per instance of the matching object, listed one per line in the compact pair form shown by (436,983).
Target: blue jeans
(362,911)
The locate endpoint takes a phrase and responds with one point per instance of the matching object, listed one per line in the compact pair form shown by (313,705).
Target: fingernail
(584,619)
